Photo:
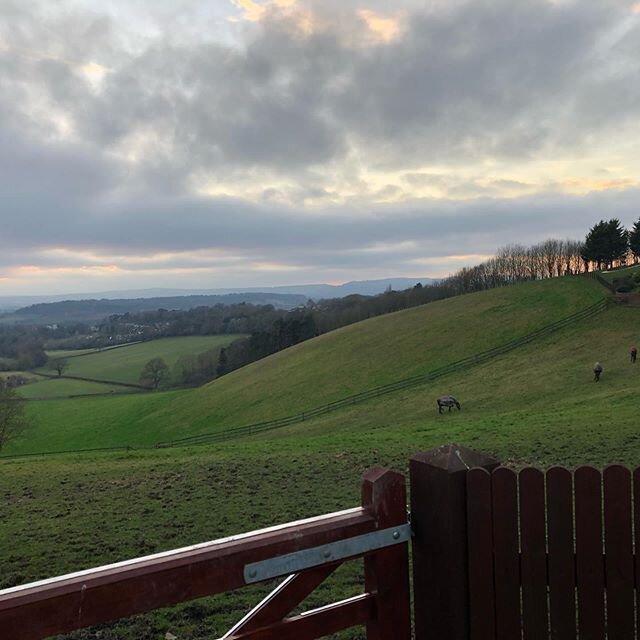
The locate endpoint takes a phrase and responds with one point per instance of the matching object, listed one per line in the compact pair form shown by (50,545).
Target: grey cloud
(284,111)
(473,79)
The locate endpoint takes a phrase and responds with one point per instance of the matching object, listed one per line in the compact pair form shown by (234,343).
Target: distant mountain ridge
(315,291)
(90,311)
(361,287)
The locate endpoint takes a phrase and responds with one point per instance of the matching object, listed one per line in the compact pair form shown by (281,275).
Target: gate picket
(533,554)
(618,552)
(636,528)
(562,588)
(506,556)
(589,564)
(480,539)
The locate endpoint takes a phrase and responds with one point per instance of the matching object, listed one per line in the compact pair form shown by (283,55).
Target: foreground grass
(125,364)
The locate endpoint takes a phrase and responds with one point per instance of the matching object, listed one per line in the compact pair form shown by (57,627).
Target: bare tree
(13,424)
(155,372)
(59,365)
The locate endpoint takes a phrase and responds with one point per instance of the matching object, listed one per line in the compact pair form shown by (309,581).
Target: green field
(535,405)
(65,387)
(124,364)
(25,374)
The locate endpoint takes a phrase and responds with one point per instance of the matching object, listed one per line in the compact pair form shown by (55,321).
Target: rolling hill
(322,370)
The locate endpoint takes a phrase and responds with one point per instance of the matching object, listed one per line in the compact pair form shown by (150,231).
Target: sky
(231,143)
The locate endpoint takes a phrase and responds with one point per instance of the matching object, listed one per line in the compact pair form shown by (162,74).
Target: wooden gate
(497,555)
(307,552)
(505,555)
(555,539)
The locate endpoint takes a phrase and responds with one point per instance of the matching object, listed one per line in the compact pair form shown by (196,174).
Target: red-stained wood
(79,600)
(386,572)
(618,553)
(636,528)
(482,625)
(506,554)
(589,564)
(318,622)
(562,583)
(440,546)
(533,555)
(282,600)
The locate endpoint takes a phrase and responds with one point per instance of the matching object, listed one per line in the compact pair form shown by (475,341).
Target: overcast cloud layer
(218,143)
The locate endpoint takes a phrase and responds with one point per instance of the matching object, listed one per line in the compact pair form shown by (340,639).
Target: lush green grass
(83,423)
(64,387)
(537,405)
(382,350)
(126,363)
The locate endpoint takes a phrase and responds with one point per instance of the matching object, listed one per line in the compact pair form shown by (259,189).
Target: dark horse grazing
(447,401)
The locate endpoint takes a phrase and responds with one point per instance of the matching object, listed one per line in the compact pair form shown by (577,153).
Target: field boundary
(96,350)
(391,387)
(130,385)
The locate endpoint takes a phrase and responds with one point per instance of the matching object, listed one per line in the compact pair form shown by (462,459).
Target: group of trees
(219,319)
(609,244)
(20,348)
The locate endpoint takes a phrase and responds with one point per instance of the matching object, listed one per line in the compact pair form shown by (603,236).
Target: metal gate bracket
(316,556)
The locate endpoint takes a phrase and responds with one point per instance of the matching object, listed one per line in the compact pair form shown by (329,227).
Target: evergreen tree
(634,241)
(594,250)
(223,362)
(617,242)
(606,243)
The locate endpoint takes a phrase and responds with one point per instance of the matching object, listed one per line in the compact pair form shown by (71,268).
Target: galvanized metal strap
(316,556)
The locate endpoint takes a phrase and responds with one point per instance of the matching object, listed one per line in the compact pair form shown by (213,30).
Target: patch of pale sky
(385,28)
(470,258)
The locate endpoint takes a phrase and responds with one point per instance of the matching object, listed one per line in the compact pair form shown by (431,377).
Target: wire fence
(115,383)
(392,387)
(57,453)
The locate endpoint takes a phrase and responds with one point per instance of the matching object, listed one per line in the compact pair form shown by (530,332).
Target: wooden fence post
(439,519)
(386,572)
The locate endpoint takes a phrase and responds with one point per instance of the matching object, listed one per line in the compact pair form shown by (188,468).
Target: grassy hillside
(381,350)
(329,367)
(125,364)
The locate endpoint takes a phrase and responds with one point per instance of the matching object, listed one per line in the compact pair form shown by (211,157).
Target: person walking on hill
(634,354)
(597,371)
